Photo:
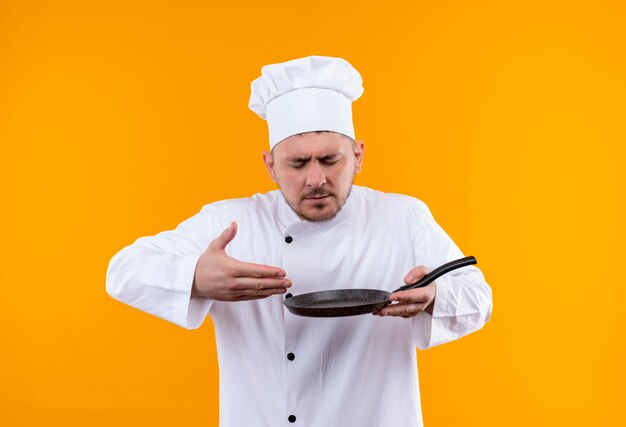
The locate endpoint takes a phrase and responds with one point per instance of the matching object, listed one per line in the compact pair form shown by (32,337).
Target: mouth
(317,197)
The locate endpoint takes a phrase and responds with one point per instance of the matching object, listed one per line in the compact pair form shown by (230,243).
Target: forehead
(312,144)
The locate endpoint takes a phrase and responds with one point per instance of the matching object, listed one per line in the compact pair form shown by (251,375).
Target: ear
(268,159)
(359,151)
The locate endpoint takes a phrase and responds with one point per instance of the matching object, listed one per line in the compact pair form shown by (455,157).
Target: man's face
(315,172)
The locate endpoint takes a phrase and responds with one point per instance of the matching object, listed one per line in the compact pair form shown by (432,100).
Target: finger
(404,310)
(248,269)
(415,274)
(412,295)
(252,283)
(257,293)
(225,238)
(249,298)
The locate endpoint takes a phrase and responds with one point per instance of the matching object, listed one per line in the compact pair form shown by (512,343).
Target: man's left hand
(413,301)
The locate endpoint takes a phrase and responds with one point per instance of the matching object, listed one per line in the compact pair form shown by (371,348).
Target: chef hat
(306,94)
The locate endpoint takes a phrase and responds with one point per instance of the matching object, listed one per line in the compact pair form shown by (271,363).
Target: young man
(235,259)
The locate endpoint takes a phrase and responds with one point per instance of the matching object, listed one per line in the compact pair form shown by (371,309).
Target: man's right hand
(222,278)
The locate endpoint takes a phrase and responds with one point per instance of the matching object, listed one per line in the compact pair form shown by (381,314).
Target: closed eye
(299,162)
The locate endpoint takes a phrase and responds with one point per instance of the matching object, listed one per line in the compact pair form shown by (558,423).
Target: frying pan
(350,302)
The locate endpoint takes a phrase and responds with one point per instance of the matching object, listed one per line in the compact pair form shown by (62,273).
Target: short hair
(327,131)
(317,131)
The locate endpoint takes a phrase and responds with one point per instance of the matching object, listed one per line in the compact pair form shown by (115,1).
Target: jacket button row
(291,356)
(288,239)
(292,418)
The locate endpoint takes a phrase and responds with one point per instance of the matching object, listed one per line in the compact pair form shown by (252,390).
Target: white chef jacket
(276,366)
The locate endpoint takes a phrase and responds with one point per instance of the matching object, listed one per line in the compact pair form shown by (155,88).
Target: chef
(237,260)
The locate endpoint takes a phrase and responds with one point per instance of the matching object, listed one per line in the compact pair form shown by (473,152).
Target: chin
(318,212)
(315,215)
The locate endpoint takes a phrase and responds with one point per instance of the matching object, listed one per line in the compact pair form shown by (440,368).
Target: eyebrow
(306,159)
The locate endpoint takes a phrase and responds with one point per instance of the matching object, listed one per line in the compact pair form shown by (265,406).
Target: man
(235,258)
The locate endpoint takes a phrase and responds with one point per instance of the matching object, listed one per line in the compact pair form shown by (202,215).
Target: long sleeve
(155,274)
(463,302)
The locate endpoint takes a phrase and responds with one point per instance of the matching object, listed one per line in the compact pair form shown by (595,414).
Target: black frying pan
(350,302)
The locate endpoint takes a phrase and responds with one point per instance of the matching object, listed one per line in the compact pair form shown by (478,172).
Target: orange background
(121,119)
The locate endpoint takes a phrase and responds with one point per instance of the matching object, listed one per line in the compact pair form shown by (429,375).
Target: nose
(315,176)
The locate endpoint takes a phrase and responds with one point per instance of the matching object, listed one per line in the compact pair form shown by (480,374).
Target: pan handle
(439,271)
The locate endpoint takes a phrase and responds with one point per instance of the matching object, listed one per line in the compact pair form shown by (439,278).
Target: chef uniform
(278,369)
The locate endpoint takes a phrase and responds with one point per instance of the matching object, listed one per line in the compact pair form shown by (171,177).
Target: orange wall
(121,119)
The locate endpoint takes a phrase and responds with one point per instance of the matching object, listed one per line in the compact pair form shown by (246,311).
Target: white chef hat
(306,94)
